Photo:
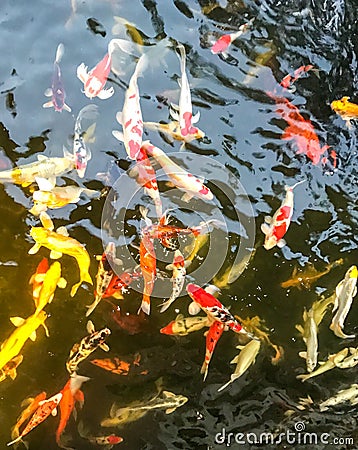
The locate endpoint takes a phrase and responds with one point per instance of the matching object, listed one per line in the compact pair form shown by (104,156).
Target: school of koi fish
(114,280)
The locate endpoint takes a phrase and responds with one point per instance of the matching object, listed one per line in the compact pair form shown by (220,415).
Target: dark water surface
(243,135)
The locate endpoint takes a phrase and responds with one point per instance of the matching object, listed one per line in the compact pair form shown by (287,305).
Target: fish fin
(34,249)
(90,327)
(174,106)
(187,197)
(67,108)
(193,309)
(167,394)
(196,117)
(33,336)
(62,231)
(268,219)
(104,347)
(48,104)
(354,292)
(119,117)
(302,355)
(82,73)
(44,184)
(54,412)
(14,441)
(118,135)
(225,385)
(299,328)
(105,93)
(46,221)
(66,153)
(62,283)
(42,158)
(46,330)
(59,52)
(265,228)
(13,374)
(170,410)
(55,255)
(17,321)
(281,243)
(74,288)
(48,92)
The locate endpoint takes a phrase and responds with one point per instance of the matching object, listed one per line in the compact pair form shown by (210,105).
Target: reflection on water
(243,134)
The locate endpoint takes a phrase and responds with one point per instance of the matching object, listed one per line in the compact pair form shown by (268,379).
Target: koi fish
(224,42)
(131,323)
(44,167)
(32,405)
(214,309)
(182,326)
(300,130)
(104,275)
(108,441)
(172,129)
(178,279)
(331,363)
(59,242)
(345,291)
(243,361)
(37,279)
(51,280)
(9,370)
(309,275)
(95,80)
(167,401)
(148,266)
(145,176)
(58,197)
(57,90)
(81,153)
(184,112)
(71,394)
(309,333)
(319,308)
(212,336)
(26,329)
(233,272)
(276,227)
(351,360)
(344,395)
(346,109)
(193,250)
(119,283)
(46,408)
(289,79)
(183,180)
(131,116)
(116,365)
(88,344)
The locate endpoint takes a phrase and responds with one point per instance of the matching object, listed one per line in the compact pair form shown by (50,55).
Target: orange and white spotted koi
(212,336)
(178,278)
(95,80)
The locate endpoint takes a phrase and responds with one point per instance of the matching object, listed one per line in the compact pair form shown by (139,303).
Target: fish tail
(59,53)
(204,369)
(145,305)
(337,330)
(224,386)
(182,57)
(14,441)
(93,305)
(165,305)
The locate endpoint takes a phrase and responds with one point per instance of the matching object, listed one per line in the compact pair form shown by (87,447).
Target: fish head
(352,272)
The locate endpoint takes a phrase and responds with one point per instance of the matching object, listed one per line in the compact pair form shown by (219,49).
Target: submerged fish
(224,42)
(59,242)
(57,90)
(304,278)
(345,291)
(331,363)
(344,395)
(172,129)
(9,370)
(243,360)
(44,167)
(351,360)
(212,337)
(116,365)
(346,109)
(182,326)
(88,344)
(309,333)
(95,80)
(107,441)
(178,279)
(50,281)
(120,416)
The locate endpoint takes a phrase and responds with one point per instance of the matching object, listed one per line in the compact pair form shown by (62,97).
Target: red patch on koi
(280,231)
(221,44)
(134,148)
(127,123)
(285,212)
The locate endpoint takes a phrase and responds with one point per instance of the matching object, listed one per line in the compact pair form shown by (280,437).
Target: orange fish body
(148,265)
(291,78)
(118,284)
(212,337)
(346,109)
(114,365)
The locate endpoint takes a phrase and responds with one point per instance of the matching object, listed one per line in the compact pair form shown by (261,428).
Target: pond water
(247,165)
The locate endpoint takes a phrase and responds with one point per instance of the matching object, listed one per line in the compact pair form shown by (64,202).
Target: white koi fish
(309,334)
(184,112)
(95,80)
(179,272)
(183,180)
(345,291)
(276,227)
(344,395)
(57,90)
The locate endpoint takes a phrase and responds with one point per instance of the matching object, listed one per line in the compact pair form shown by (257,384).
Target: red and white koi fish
(108,441)
(289,79)
(46,407)
(212,336)
(145,176)
(184,112)
(95,80)
(57,90)
(131,116)
(182,326)
(276,227)
(178,278)
(214,309)
(105,274)
(119,283)
(224,42)
(71,393)
(183,180)
(148,265)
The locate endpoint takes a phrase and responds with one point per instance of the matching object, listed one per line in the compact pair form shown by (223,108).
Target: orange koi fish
(148,265)
(212,337)
(37,279)
(116,365)
(131,323)
(71,393)
(276,227)
(32,405)
(119,283)
(95,79)
(289,79)
(46,407)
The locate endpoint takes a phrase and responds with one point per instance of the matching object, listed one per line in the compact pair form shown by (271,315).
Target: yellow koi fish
(346,109)
(48,168)
(26,329)
(59,242)
(9,370)
(51,280)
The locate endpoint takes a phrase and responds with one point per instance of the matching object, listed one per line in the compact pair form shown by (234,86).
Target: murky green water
(244,136)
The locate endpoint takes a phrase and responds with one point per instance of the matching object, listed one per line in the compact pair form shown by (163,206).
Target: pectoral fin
(55,254)
(104,347)
(34,249)
(170,410)
(33,336)
(62,231)
(118,135)
(17,321)
(48,92)
(105,93)
(48,104)
(62,283)
(302,355)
